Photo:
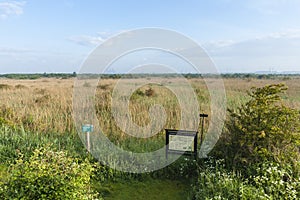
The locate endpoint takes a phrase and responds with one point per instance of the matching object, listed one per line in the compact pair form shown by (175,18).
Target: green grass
(3,172)
(14,141)
(45,117)
(149,189)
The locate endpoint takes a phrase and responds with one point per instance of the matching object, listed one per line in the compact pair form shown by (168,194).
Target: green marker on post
(88,128)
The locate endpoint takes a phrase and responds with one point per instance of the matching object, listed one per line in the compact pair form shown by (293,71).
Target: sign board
(181,142)
(87,128)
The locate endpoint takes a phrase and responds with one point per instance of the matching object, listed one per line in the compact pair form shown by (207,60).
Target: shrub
(149,92)
(263,129)
(216,185)
(270,182)
(139,92)
(276,182)
(214,182)
(48,175)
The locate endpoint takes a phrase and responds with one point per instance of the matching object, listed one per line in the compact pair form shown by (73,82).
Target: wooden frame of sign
(181,142)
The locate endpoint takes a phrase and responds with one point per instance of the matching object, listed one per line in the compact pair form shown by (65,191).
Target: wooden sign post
(202,116)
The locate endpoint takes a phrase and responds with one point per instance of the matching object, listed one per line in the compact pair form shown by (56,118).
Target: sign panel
(87,128)
(181,143)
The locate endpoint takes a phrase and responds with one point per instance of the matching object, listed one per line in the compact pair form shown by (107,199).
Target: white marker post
(88,145)
(88,128)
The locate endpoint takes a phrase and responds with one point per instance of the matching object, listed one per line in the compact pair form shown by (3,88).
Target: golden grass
(45,105)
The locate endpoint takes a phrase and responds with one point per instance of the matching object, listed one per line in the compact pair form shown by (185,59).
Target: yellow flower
(262,134)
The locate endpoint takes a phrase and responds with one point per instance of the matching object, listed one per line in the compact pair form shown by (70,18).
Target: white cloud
(86,40)
(287,34)
(11,8)
(14,51)
(279,50)
(213,45)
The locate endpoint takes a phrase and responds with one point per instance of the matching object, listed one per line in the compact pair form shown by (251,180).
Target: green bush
(276,182)
(214,182)
(270,182)
(261,142)
(48,174)
(263,129)
(14,140)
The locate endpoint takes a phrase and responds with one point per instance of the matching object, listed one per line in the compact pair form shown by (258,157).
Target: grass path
(147,190)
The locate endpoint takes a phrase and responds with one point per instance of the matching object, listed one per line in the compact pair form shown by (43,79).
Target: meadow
(37,114)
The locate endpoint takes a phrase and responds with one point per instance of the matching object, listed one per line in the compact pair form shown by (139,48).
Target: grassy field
(45,105)
(34,113)
(147,190)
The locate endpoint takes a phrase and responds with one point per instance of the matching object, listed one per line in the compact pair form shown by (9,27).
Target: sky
(239,35)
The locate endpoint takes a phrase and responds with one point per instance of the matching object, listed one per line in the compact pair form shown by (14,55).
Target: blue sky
(239,35)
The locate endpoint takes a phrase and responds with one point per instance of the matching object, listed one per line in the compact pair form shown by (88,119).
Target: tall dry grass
(45,105)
